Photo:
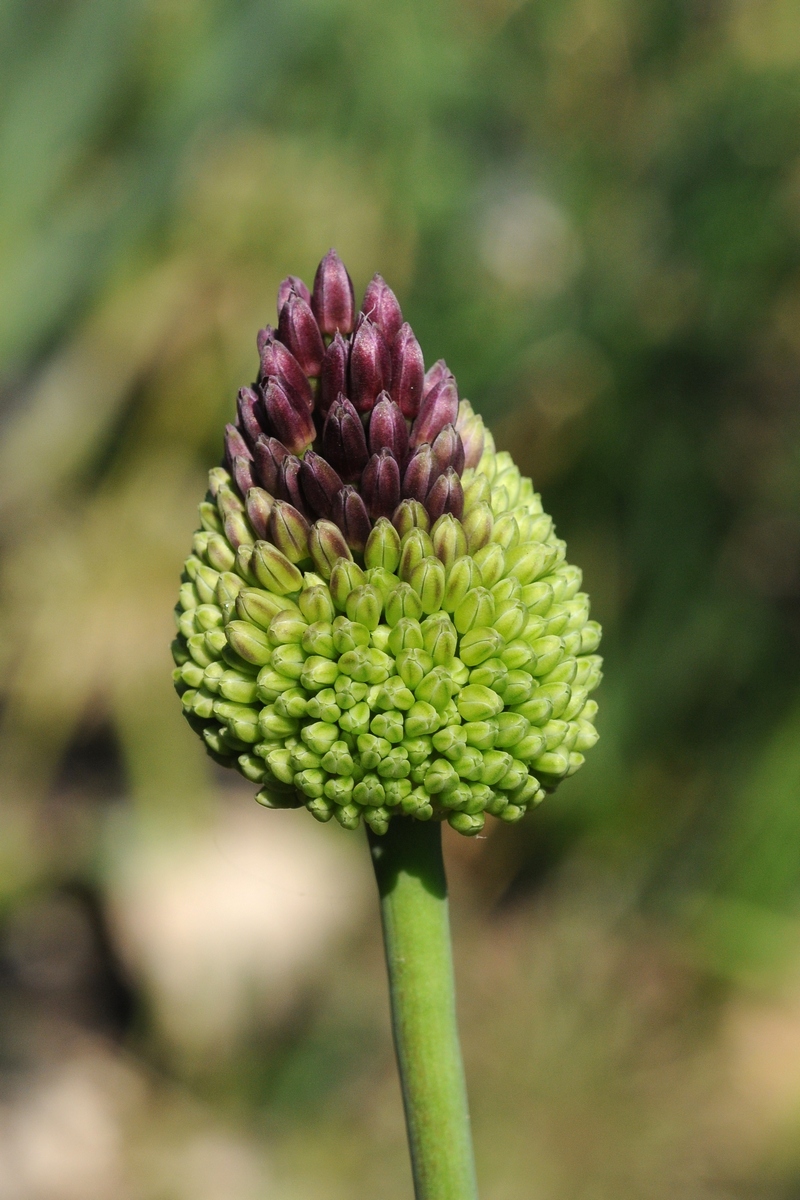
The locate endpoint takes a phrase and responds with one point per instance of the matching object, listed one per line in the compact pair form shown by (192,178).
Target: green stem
(416,933)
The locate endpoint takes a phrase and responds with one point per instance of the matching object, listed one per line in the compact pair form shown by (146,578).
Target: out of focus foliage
(591,208)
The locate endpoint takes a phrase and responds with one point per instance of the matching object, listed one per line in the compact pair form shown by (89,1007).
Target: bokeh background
(591,208)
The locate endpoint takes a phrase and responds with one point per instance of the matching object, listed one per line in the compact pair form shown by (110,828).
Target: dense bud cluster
(377,617)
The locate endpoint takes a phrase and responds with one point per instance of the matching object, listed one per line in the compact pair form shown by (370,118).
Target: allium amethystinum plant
(377,618)
(377,622)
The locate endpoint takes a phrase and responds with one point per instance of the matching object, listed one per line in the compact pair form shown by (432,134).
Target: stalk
(413,894)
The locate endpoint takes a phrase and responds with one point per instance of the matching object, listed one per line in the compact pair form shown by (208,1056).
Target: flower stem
(416,933)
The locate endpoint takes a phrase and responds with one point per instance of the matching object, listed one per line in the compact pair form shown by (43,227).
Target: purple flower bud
(258,504)
(289,530)
(263,338)
(242,471)
(292,424)
(471,431)
(298,329)
(448,451)
(388,429)
(380,485)
(350,514)
(370,366)
(420,473)
(408,372)
(380,305)
(319,483)
(292,283)
(289,482)
(446,496)
(269,454)
(333,373)
(278,362)
(247,405)
(439,408)
(436,374)
(332,301)
(343,441)
(235,446)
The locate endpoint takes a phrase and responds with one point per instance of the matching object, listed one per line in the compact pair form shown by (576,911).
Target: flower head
(377,618)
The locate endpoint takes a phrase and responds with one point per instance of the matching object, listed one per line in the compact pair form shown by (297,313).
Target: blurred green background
(591,208)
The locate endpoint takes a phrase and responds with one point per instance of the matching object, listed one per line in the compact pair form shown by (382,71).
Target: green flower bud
(413,666)
(199,652)
(564,672)
(275,727)
(378,819)
(316,605)
(388,725)
(369,791)
(478,526)
(406,635)
(436,688)
(289,660)
(321,808)
(396,791)
(319,736)
(279,765)
(518,688)
(395,765)
(356,719)
(394,694)
(421,718)
(340,789)
(428,581)
(440,776)
(505,530)
(383,546)
(477,703)
(456,797)
(303,759)
(507,589)
(286,628)
(193,675)
(512,727)
(364,606)
(249,642)
(338,760)
(402,602)
(318,639)
(509,619)
(450,741)
(463,578)
(318,672)
(481,734)
(323,706)
(415,546)
(348,816)
(590,637)
(409,515)
(345,577)
(270,684)
(260,607)
(531,746)
(491,561)
(228,588)
(239,688)
(292,703)
(518,655)
(326,545)
(417,748)
(548,652)
(219,553)
(209,517)
(200,544)
(558,694)
(311,783)
(467,824)
(349,693)
(476,609)
(383,580)
(480,644)
(449,540)
(188,598)
(470,764)
(372,748)
(491,673)
(349,635)
(241,720)
(440,639)
(495,765)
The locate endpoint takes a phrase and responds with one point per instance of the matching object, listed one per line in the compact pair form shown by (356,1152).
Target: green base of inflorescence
(445,676)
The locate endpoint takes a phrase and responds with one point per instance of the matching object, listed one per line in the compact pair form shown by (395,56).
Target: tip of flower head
(374,578)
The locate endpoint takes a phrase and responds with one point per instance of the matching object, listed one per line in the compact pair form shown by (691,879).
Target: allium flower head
(377,617)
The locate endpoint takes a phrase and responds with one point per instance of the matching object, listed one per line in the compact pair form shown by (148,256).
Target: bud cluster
(377,618)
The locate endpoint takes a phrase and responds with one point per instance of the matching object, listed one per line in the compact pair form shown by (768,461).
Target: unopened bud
(380,484)
(406,635)
(292,283)
(326,545)
(278,362)
(298,329)
(439,408)
(370,366)
(449,541)
(410,514)
(407,372)
(435,375)
(440,639)
(387,429)
(364,605)
(350,514)
(274,571)
(345,576)
(319,483)
(289,488)
(242,471)
(478,524)
(448,451)
(445,496)
(247,404)
(292,424)
(477,703)
(332,300)
(289,531)
(269,453)
(235,446)
(333,373)
(478,644)
(316,605)
(428,581)
(402,602)
(464,576)
(249,642)
(380,305)
(258,504)
(383,546)
(415,546)
(492,563)
(419,474)
(472,434)
(343,441)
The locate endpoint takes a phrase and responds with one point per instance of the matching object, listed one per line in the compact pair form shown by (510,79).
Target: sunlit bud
(507,589)
(316,605)
(258,504)
(410,514)
(477,608)
(298,329)
(510,618)
(449,541)
(440,639)
(380,484)
(332,300)
(370,366)
(209,517)
(269,453)
(407,372)
(343,441)
(278,362)
(559,695)
(436,688)
(356,719)
(249,642)
(435,375)
(481,735)
(447,451)
(383,546)
(291,423)
(379,637)
(274,571)
(415,546)
(477,703)
(350,514)
(472,434)
(292,283)
(527,562)
(345,576)
(406,635)
(413,665)
(491,562)
(464,576)
(445,496)
(246,408)
(364,606)
(338,760)
(289,530)
(326,545)
(389,726)
(387,429)
(380,305)
(274,726)
(219,555)
(439,408)
(537,710)
(333,373)
(419,473)
(207,616)
(428,581)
